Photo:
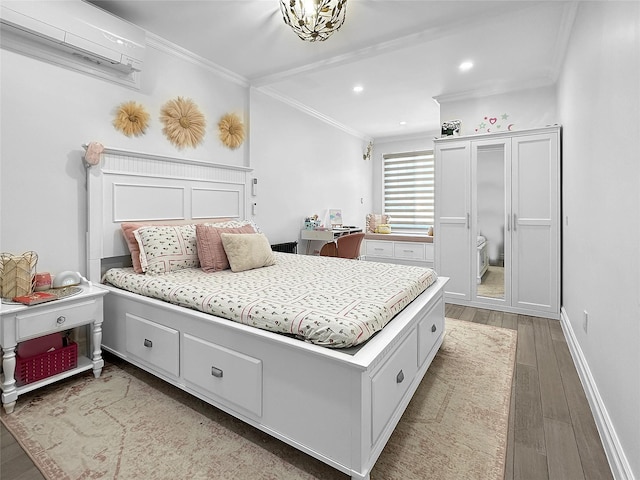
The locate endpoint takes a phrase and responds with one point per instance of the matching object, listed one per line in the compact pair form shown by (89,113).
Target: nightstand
(21,322)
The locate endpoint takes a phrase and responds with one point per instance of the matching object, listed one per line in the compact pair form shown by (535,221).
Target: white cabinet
(497,229)
(399,249)
(19,323)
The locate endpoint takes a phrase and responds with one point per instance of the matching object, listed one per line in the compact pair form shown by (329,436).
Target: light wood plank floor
(552,434)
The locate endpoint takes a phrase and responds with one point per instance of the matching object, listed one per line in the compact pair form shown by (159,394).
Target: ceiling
(403,53)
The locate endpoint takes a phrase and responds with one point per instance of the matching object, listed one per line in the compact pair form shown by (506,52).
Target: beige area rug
(129,425)
(492,283)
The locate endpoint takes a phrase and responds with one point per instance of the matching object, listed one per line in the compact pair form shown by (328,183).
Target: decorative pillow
(247,251)
(167,248)
(129,227)
(210,250)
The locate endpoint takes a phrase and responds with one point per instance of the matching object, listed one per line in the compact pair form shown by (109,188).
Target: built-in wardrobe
(497,220)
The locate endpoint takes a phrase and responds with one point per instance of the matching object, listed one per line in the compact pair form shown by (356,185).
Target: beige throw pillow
(247,251)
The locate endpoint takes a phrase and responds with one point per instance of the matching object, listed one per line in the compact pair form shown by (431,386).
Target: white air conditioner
(75,34)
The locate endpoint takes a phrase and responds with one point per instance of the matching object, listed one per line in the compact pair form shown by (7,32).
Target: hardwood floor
(552,434)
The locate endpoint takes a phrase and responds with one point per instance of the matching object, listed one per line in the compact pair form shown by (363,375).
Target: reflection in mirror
(490,213)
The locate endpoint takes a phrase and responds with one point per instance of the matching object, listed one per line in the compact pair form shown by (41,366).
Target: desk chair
(329,249)
(349,245)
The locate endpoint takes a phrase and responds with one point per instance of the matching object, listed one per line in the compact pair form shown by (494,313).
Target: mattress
(327,301)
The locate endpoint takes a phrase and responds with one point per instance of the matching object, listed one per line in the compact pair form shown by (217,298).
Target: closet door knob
(433,328)
(400,377)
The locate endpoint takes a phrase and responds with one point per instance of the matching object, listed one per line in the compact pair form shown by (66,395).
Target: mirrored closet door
(491,239)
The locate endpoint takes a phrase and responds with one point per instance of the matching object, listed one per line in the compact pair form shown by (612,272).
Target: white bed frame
(341,407)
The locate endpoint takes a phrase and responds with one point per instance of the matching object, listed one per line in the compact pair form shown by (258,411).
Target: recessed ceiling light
(403,122)
(358,88)
(466,65)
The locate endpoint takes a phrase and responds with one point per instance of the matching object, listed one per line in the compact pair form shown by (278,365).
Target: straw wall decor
(184,124)
(231,130)
(131,119)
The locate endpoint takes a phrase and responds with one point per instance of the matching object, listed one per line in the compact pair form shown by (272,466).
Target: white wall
(48,112)
(599,106)
(304,167)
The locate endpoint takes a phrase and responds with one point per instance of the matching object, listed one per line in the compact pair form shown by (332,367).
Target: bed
(482,258)
(350,390)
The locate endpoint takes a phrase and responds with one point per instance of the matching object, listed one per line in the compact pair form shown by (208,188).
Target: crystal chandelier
(314,20)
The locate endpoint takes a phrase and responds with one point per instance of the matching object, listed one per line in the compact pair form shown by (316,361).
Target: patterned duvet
(327,301)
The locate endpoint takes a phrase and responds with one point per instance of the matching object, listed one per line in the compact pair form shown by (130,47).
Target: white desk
(326,235)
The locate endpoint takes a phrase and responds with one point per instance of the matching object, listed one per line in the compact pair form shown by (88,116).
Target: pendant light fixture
(314,20)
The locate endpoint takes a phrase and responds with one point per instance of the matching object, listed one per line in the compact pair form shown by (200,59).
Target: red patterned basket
(37,367)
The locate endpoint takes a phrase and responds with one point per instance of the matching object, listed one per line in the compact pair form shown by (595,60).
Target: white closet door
(452,230)
(535,220)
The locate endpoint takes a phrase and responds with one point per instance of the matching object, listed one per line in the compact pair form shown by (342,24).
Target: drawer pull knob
(148,343)
(60,320)
(433,328)
(400,377)
(216,372)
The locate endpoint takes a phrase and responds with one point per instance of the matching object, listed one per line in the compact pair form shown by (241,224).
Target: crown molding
(163,45)
(312,112)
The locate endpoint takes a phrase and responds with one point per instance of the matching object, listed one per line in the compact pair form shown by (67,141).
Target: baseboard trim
(620,468)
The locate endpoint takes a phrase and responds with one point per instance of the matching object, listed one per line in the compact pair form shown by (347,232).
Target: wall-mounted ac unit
(77,35)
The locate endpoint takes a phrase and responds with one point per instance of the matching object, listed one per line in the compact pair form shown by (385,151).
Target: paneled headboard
(129,186)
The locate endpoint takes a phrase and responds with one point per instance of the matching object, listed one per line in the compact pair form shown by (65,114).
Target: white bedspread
(328,301)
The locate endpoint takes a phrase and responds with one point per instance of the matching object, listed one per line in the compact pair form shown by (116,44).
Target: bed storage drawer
(391,382)
(429,330)
(225,373)
(155,344)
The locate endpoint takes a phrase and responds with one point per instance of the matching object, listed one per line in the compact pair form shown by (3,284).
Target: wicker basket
(37,367)
(17,274)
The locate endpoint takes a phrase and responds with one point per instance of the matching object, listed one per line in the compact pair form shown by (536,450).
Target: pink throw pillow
(210,249)
(129,227)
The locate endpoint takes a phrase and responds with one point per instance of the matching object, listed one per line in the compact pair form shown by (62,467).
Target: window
(408,191)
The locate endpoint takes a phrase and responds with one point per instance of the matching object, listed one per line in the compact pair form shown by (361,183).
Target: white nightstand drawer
(376,248)
(55,319)
(411,250)
(155,344)
(225,373)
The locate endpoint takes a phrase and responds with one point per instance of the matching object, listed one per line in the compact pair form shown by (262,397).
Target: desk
(326,235)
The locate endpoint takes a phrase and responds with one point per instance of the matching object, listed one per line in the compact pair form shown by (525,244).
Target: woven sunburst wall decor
(132,119)
(231,130)
(184,124)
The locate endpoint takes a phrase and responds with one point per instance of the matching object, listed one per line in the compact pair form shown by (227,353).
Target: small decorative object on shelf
(17,274)
(35,298)
(312,222)
(451,128)
(43,281)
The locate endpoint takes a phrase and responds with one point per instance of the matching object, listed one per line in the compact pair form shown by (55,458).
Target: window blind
(409,194)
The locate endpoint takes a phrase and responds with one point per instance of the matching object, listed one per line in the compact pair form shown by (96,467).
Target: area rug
(129,425)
